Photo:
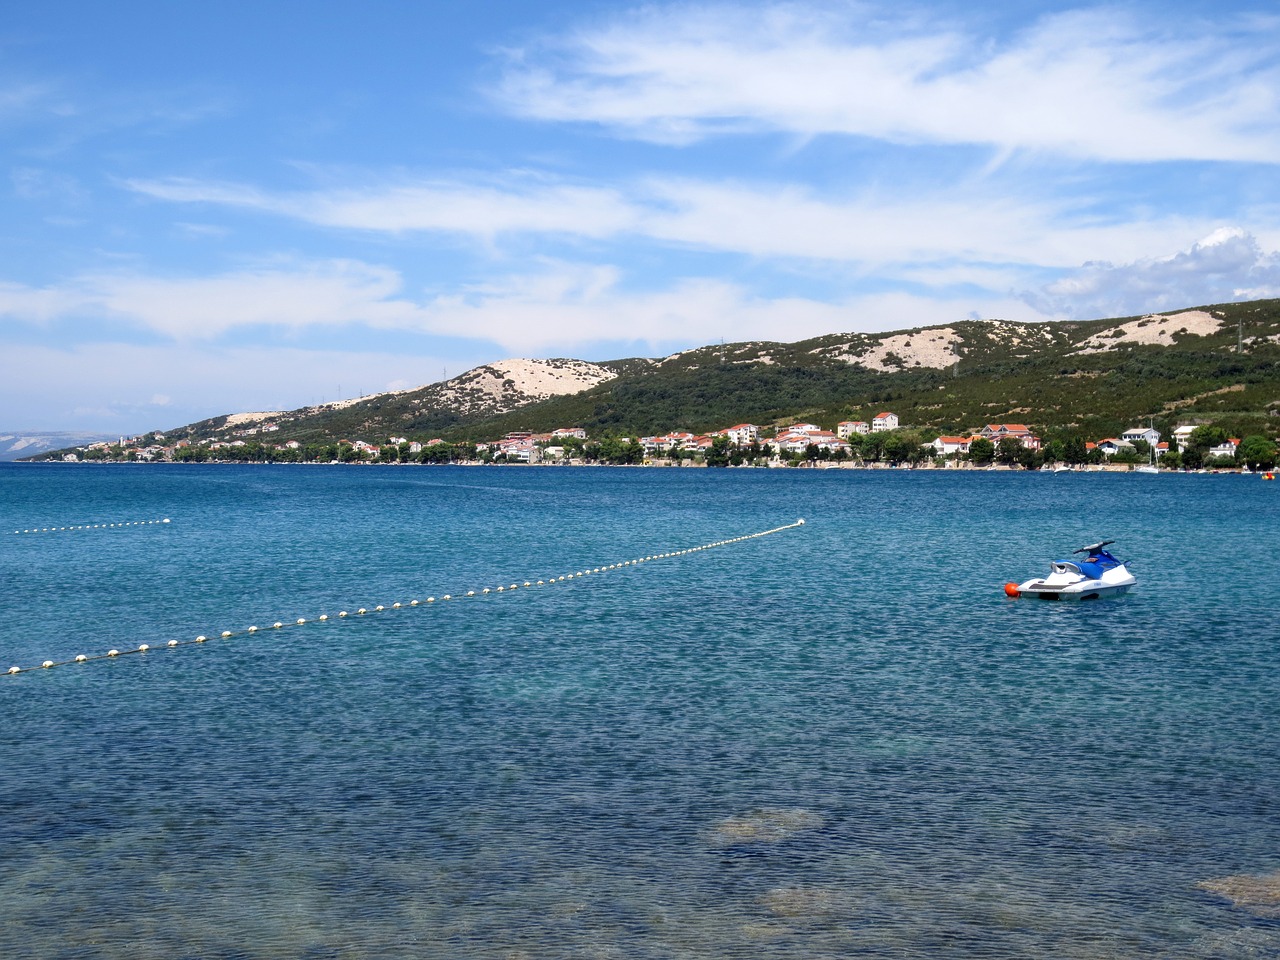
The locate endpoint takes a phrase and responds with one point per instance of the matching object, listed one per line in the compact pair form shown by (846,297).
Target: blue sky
(208,208)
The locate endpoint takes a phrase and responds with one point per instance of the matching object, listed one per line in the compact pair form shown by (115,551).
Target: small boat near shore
(1099,575)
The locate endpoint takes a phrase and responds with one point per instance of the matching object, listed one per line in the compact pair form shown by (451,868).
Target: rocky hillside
(1218,362)
(479,394)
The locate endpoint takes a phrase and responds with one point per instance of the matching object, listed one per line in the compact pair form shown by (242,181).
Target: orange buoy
(1011,590)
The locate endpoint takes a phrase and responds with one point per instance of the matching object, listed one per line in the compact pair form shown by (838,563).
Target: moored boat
(1099,575)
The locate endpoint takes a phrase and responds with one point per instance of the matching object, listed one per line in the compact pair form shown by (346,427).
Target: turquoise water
(838,740)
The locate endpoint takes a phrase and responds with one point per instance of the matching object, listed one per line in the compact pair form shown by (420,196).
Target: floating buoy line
(94,526)
(400,605)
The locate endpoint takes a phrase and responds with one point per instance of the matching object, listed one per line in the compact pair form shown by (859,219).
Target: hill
(19,444)
(1096,377)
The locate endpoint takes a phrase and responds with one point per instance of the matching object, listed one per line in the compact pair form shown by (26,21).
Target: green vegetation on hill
(1085,379)
(1007,373)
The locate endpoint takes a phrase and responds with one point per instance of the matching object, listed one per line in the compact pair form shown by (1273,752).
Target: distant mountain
(1219,363)
(15,445)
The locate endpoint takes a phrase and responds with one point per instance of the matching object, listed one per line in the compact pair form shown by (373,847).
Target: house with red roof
(995,432)
(945,446)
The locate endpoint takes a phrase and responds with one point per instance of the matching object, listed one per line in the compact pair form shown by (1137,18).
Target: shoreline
(772,465)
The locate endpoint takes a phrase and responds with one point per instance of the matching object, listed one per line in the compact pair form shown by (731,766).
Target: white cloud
(19,98)
(973,225)
(557,308)
(572,308)
(113,387)
(34,183)
(1226,266)
(1094,83)
(321,293)
(482,210)
(970,223)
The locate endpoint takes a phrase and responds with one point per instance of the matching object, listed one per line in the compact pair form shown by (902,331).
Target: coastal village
(881,442)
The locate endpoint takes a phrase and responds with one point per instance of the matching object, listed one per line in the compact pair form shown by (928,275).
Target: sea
(836,739)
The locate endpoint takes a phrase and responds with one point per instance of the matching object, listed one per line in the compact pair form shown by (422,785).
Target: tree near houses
(982,451)
(1074,450)
(1007,450)
(1257,453)
(718,455)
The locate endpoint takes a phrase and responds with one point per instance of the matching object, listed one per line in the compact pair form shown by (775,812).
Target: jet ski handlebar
(1094,546)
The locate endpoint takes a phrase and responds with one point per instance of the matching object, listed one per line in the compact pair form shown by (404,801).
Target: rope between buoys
(95,526)
(381,608)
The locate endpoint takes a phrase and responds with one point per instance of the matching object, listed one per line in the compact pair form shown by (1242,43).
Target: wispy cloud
(1097,83)
(287,295)
(941,224)
(557,307)
(479,209)
(570,306)
(17,99)
(102,387)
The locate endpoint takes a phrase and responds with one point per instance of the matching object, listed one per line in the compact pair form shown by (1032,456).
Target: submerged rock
(1261,894)
(802,903)
(766,825)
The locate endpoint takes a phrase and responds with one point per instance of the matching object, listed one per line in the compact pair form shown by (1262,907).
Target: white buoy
(324,616)
(143,648)
(253,629)
(173,643)
(81,658)
(446,597)
(395,606)
(301,621)
(379,608)
(113,653)
(413,603)
(47,664)
(342,613)
(362,611)
(201,639)
(15,669)
(226,633)
(431,599)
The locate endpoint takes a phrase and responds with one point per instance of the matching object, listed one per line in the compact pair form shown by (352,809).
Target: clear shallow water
(836,741)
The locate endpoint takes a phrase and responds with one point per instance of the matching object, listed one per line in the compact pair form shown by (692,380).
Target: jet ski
(1099,574)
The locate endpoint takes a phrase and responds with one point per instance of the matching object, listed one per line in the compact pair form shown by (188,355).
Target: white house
(742,434)
(847,428)
(676,440)
(1134,434)
(1111,446)
(793,441)
(578,432)
(949,445)
(1225,449)
(884,421)
(1181,436)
